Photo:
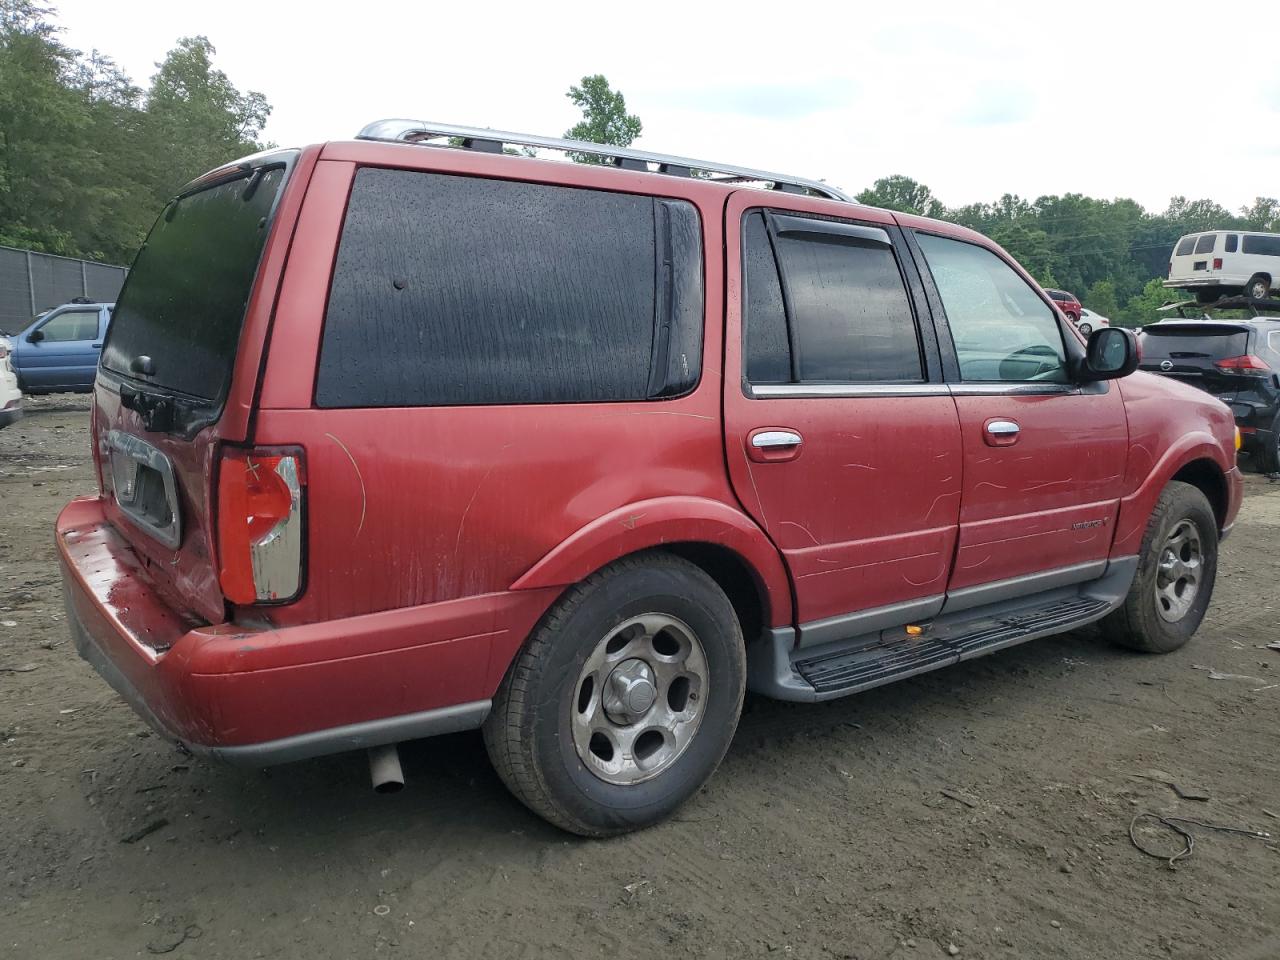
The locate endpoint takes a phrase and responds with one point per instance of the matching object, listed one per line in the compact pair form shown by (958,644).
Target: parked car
(1090,321)
(10,395)
(1226,263)
(58,351)
(1068,303)
(1238,361)
(396,438)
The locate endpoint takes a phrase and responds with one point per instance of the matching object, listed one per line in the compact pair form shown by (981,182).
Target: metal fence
(31,282)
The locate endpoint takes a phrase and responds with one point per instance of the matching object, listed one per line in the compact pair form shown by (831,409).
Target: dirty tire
(529,735)
(1137,624)
(1268,460)
(1258,288)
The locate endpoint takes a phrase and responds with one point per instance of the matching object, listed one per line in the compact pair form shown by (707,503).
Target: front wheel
(624,701)
(1174,581)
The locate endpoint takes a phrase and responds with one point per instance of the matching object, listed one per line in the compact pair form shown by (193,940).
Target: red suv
(1067,303)
(403,436)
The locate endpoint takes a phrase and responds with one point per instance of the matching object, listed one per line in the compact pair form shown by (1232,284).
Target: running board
(907,656)
(843,667)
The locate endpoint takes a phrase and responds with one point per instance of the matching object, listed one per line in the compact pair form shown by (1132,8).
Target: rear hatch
(166,372)
(1190,352)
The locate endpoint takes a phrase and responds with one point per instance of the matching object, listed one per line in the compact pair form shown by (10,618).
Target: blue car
(59,350)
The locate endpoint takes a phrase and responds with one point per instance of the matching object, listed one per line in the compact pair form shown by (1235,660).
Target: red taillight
(260,521)
(1217,263)
(1169,273)
(1248,366)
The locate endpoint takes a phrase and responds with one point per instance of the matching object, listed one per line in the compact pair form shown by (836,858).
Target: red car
(396,438)
(1067,303)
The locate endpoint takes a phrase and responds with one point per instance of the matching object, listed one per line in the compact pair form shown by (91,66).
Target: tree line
(1112,254)
(88,158)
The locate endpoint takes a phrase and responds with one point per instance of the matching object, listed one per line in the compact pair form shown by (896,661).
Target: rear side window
(844,316)
(1263,245)
(184,300)
(70,326)
(458,290)
(1233,243)
(1206,242)
(1185,246)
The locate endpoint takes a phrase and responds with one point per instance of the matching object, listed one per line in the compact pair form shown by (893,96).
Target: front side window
(72,325)
(1205,243)
(832,308)
(1001,329)
(464,291)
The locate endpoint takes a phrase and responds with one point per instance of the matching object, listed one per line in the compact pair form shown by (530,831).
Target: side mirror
(1111,353)
(35,336)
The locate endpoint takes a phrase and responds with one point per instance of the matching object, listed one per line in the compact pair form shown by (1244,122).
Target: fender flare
(1135,508)
(654,523)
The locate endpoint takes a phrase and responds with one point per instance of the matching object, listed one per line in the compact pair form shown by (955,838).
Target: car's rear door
(841,439)
(1044,458)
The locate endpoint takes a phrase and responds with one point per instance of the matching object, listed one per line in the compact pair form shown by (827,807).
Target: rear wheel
(1208,295)
(1267,458)
(1174,581)
(1085,327)
(624,700)
(1258,288)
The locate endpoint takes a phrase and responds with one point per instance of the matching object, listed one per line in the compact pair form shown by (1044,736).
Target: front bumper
(259,696)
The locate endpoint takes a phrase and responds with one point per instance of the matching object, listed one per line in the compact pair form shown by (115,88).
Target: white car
(10,395)
(1090,321)
(1226,263)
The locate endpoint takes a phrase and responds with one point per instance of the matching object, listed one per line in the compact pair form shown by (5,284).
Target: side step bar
(860,663)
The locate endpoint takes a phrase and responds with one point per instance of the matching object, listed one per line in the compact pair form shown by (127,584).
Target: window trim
(780,221)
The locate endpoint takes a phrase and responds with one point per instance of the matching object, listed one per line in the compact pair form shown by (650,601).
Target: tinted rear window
(1185,246)
(1266,246)
(1193,342)
(1206,242)
(458,290)
(184,300)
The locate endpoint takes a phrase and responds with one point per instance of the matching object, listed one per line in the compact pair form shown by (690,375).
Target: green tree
(1262,214)
(904,195)
(199,116)
(1144,308)
(604,116)
(1101,298)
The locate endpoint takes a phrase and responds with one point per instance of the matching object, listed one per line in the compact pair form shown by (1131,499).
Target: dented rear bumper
(273,695)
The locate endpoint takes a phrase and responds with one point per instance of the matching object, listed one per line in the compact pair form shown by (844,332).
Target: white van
(1226,263)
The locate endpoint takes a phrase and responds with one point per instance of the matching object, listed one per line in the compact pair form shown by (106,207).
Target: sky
(973,98)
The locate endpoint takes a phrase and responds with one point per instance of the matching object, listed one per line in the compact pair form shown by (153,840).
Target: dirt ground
(984,808)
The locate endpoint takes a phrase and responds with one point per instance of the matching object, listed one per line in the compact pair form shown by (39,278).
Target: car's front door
(1044,458)
(842,440)
(63,354)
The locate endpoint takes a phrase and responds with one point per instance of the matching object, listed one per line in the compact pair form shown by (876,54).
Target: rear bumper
(271,695)
(10,415)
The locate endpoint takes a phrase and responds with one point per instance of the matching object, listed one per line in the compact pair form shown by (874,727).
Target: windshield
(184,301)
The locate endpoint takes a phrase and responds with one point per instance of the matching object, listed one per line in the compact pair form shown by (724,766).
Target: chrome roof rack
(624,158)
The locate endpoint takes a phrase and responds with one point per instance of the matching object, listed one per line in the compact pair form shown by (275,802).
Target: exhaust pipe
(384,769)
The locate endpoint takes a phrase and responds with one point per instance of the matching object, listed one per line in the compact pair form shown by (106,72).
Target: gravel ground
(981,811)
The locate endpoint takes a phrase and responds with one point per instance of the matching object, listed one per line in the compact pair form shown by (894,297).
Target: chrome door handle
(776,438)
(1003,428)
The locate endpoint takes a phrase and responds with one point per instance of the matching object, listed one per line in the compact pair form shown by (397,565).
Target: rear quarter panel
(412,506)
